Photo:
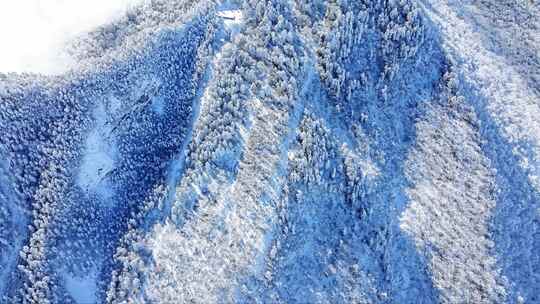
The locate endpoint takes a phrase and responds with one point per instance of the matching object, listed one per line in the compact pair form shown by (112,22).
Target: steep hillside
(279,151)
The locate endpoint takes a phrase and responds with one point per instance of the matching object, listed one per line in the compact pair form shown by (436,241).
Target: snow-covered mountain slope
(279,151)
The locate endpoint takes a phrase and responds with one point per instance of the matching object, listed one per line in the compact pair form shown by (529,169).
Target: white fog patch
(34,31)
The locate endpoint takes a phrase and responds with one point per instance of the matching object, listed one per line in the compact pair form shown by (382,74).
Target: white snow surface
(232,18)
(34,31)
(98,157)
(82,288)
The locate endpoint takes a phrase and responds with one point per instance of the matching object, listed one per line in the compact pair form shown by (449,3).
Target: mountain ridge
(274,152)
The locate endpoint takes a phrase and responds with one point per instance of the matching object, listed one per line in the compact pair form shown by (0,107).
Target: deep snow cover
(275,151)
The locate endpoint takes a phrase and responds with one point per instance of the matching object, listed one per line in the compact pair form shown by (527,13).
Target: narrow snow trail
(201,183)
(232,23)
(177,166)
(194,188)
(228,202)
